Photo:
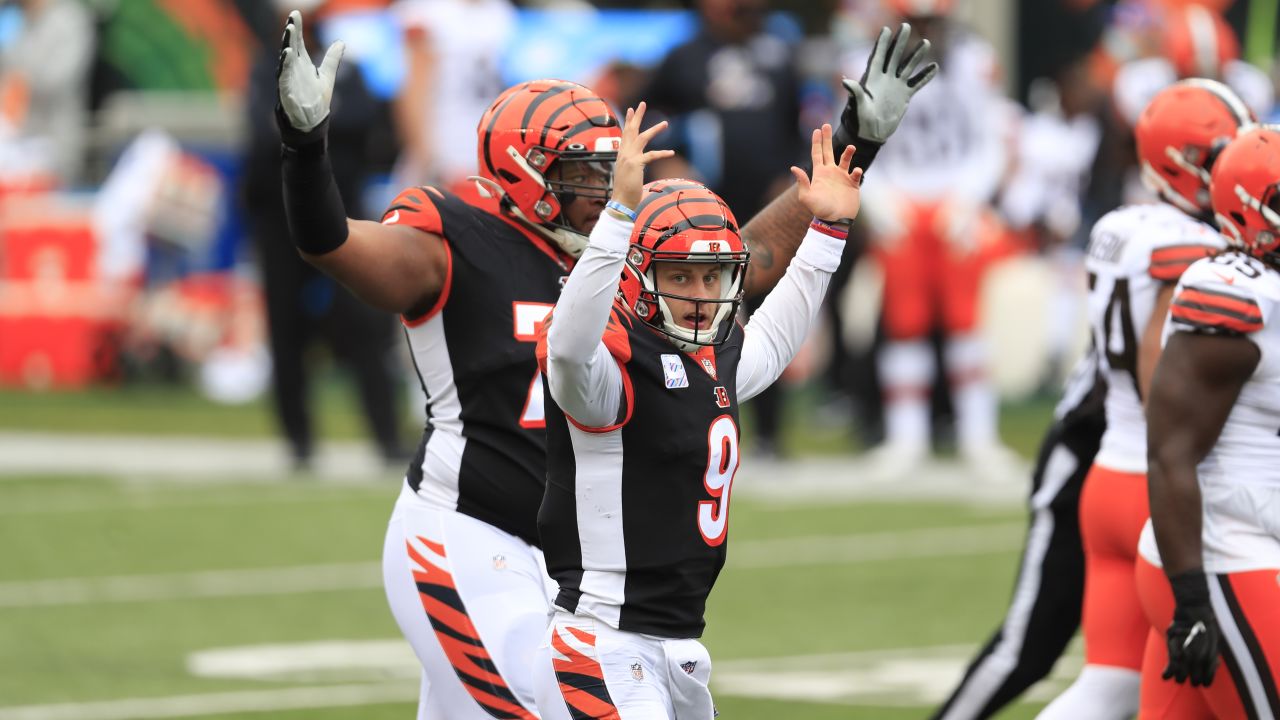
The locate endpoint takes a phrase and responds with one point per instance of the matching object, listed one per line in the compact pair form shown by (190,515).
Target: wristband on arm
(313,206)
(835,228)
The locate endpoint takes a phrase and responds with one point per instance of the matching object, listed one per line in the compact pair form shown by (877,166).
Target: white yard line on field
(747,554)
(301,698)
(205,584)
(257,496)
(187,460)
(872,547)
(903,677)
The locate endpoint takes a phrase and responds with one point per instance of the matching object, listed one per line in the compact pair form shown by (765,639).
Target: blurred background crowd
(142,237)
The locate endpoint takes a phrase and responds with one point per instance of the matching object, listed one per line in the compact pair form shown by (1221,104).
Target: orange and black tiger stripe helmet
(681,221)
(531,127)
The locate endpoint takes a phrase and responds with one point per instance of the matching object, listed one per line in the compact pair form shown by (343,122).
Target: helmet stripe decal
(590,122)
(663,197)
(651,217)
(544,96)
(493,120)
(1235,106)
(1204,39)
(697,222)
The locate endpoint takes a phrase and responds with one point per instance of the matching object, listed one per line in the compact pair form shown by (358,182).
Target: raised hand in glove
(878,101)
(305,90)
(1193,636)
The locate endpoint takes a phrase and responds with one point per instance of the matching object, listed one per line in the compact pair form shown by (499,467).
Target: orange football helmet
(681,221)
(921,8)
(1246,191)
(1198,42)
(1179,135)
(530,129)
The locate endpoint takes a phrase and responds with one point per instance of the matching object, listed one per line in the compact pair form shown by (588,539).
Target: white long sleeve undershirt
(584,378)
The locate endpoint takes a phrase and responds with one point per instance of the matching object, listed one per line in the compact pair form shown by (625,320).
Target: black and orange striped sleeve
(416,208)
(1170,261)
(1211,310)
(540,348)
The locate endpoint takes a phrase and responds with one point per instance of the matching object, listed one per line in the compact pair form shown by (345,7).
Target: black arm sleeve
(312,203)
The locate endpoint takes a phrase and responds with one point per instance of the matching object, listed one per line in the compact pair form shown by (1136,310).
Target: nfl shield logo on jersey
(673,372)
(710,367)
(637,670)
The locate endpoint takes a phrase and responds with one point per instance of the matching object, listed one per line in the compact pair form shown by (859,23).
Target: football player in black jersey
(471,277)
(644,379)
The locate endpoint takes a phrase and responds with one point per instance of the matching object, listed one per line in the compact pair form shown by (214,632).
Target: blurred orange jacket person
(928,210)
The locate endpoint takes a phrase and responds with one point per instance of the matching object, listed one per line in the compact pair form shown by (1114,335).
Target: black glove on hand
(1194,635)
(878,101)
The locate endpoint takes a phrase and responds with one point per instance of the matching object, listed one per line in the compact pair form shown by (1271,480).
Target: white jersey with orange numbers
(956,136)
(1237,294)
(1138,81)
(1132,252)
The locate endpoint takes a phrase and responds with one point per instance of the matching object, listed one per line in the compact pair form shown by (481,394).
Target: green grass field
(123,598)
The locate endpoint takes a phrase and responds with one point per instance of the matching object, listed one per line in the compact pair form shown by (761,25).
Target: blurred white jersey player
(933,234)
(452,53)
(1195,42)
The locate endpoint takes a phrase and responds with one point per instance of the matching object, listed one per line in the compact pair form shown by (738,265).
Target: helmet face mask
(532,139)
(575,177)
(684,229)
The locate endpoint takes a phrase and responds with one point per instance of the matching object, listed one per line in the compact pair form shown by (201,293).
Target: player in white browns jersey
(1210,563)
(1135,256)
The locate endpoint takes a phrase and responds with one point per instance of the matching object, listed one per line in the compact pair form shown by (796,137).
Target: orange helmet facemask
(542,144)
(682,222)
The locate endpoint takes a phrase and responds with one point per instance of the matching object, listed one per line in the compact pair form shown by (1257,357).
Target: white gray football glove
(305,90)
(879,100)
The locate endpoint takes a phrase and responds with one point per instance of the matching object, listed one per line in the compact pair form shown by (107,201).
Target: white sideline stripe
(301,698)
(205,584)
(870,547)
(183,460)
(750,554)
(144,503)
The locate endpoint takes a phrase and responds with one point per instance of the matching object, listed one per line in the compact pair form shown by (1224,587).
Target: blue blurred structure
(567,44)
(10,23)
(373,37)
(575,44)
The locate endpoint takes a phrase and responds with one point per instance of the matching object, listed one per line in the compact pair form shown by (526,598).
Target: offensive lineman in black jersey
(471,276)
(643,383)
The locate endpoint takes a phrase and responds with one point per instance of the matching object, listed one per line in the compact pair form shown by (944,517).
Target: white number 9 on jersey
(722,464)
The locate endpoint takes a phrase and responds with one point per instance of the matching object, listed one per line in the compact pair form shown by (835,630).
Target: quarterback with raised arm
(471,275)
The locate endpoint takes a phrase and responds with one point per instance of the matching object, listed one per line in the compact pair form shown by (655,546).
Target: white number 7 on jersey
(722,464)
(527,315)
